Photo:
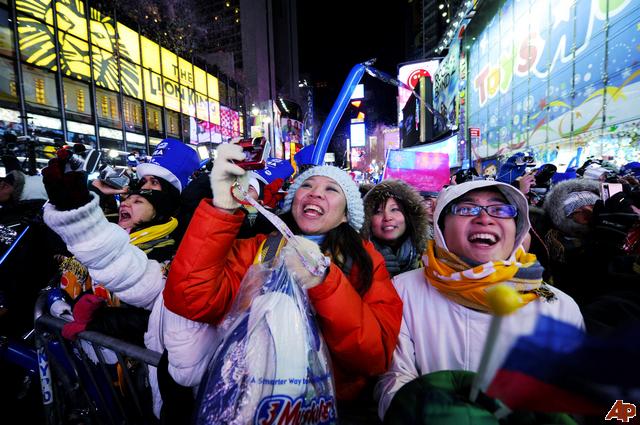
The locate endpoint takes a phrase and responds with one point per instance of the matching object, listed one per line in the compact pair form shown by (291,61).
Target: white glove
(313,258)
(61,310)
(225,173)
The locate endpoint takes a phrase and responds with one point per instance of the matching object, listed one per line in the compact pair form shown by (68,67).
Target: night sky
(336,35)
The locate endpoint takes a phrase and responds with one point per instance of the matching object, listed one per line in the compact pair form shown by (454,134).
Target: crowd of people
(402,296)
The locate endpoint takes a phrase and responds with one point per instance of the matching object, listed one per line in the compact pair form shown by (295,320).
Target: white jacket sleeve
(104,249)
(402,370)
(190,346)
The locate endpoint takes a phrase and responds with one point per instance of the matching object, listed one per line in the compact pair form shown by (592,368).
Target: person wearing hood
(357,308)
(480,226)
(569,207)
(395,221)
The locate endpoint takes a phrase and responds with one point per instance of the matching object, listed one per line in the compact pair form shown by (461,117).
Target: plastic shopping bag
(272,366)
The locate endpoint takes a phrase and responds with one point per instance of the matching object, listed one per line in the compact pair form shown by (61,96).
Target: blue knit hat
(355,207)
(173,161)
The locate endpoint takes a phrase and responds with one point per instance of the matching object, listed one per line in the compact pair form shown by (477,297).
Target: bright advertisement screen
(358,92)
(543,89)
(358,135)
(168,79)
(410,75)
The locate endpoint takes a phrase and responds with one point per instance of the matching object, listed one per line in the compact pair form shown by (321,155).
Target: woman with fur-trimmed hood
(574,265)
(396,222)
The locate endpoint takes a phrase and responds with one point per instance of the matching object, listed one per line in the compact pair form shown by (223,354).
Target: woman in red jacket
(357,307)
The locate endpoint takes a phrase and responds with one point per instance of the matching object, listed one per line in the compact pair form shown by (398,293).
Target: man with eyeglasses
(479,231)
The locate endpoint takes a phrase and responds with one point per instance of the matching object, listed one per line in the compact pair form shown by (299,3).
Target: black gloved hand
(67,191)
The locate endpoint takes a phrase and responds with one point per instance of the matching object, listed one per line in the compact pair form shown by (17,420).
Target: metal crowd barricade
(76,388)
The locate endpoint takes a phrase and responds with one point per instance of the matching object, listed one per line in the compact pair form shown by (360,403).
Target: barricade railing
(79,384)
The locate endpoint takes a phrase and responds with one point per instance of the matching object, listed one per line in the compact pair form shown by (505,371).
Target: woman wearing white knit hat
(358,309)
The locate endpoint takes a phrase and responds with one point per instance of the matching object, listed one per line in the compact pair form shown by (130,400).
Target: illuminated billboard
(540,86)
(358,134)
(410,75)
(93,45)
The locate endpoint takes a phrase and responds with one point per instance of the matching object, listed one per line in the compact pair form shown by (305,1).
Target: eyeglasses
(497,211)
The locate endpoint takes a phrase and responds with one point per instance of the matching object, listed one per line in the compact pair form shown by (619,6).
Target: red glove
(83,312)
(66,191)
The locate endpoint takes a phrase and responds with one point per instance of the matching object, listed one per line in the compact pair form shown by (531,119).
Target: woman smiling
(396,223)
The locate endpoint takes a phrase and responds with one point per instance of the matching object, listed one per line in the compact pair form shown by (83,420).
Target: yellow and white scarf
(467,285)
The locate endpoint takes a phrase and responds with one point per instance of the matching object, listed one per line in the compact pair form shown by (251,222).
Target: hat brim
(149,169)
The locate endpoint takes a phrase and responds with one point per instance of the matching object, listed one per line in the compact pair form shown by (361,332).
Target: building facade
(558,80)
(72,73)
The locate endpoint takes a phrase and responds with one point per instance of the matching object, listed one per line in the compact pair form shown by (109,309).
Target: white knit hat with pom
(355,207)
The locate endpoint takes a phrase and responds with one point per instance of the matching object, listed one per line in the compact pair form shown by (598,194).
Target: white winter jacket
(126,271)
(439,334)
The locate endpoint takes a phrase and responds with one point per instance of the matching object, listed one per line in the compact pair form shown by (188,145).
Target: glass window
(8,87)
(77,100)
(132,110)
(186,128)
(173,126)
(108,109)
(44,126)
(10,121)
(40,9)
(36,43)
(150,55)
(78,132)
(103,31)
(169,64)
(136,146)
(153,91)
(128,43)
(71,18)
(223,91)
(105,69)
(187,100)
(232,98)
(107,143)
(6,34)
(171,95)
(74,57)
(131,77)
(39,88)
(154,121)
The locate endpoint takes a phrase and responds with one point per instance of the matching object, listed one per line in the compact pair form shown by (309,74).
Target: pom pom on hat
(355,207)
(577,200)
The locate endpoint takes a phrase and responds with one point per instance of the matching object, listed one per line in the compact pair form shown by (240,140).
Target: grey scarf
(398,261)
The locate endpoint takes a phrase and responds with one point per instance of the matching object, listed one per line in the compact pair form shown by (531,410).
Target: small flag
(543,364)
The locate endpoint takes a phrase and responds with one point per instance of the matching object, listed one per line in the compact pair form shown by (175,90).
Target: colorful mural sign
(556,84)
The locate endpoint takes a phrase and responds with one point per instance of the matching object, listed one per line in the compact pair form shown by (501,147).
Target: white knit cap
(355,207)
